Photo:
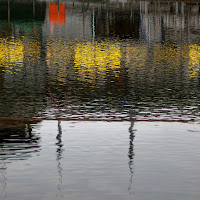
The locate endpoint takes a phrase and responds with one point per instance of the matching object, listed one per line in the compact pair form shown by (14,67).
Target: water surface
(87,63)
(102,160)
(113,60)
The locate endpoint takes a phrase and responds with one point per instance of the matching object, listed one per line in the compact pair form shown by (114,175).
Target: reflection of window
(101,55)
(194,61)
(56,13)
(93,60)
(11,53)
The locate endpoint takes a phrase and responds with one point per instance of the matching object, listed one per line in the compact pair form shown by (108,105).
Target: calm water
(99,60)
(102,160)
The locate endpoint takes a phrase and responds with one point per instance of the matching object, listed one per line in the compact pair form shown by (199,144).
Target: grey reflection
(131,157)
(3,177)
(58,159)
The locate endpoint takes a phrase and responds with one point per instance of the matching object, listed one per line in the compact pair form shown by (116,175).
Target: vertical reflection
(131,157)
(8,12)
(33,8)
(58,159)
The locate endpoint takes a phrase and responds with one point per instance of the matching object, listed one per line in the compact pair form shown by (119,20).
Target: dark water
(122,60)
(99,60)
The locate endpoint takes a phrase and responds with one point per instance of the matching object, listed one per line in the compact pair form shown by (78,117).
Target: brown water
(97,61)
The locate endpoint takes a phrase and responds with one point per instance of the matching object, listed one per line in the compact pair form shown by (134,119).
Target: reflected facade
(111,60)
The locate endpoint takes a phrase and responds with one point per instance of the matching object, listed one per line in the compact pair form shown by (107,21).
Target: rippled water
(69,67)
(113,60)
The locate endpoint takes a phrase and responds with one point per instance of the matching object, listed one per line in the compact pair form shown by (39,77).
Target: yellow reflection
(3,52)
(194,60)
(93,60)
(13,52)
(166,55)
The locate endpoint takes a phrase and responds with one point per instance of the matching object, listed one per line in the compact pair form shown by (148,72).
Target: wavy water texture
(137,60)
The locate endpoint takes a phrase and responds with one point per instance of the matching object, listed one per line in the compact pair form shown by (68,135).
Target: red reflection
(56,13)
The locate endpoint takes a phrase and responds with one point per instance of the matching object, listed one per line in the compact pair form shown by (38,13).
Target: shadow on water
(17,139)
(17,142)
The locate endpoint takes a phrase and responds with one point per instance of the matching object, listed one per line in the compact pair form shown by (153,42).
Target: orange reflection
(56,13)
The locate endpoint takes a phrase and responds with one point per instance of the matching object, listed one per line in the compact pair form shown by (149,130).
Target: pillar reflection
(59,152)
(131,157)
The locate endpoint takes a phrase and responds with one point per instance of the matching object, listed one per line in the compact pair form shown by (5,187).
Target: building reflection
(22,79)
(19,63)
(14,53)
(56,13)
(81,51)
(133,68)
(170,21)
(194,60)
(118,20)
(93,60)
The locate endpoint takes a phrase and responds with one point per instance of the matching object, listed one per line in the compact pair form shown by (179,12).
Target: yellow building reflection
(88,61)
(194,60)
(94,60)
(13,53)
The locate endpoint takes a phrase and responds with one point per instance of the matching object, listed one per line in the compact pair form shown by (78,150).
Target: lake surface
(102,160)
(93,96)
